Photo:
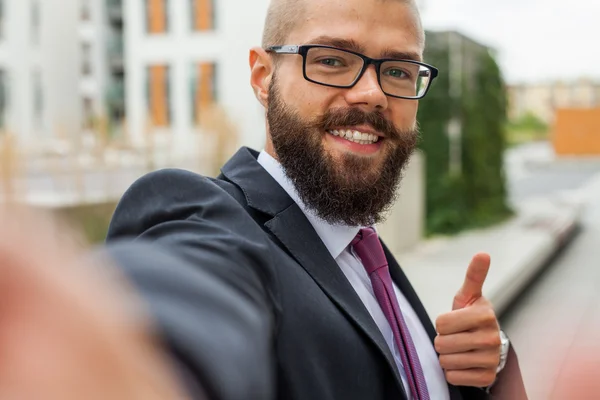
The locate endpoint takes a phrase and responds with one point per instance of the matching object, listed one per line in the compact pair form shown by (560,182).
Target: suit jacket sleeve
(201,264)
(509,384)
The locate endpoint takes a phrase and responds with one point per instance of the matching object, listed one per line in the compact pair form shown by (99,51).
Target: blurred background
(96,93)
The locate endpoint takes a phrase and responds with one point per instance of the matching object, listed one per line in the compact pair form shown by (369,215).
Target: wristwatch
(504,347)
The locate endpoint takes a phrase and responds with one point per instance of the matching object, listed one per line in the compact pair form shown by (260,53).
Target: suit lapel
(406,288)
(294,231)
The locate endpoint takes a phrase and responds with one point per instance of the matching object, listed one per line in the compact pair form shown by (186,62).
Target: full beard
(349,190)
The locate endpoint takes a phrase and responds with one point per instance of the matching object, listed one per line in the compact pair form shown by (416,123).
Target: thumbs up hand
(468,340)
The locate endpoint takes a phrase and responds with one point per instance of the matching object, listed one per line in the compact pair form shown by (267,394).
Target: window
(3,98)
(86,59)
(157,18)
(35,21)
(158,95)
(203,15)
(2,18)
(203,88)
(38,99)
(86,10)
(115,97)
(88,113)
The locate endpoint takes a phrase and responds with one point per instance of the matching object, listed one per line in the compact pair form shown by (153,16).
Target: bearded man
(277,285)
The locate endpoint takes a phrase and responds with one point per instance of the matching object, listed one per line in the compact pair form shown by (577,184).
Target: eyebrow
(352,45)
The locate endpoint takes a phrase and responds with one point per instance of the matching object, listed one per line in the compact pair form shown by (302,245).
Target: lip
(360,128)
(353,147)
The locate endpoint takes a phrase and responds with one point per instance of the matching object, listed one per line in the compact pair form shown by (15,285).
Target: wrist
(504,349)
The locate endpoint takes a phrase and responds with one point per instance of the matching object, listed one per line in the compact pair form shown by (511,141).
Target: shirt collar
(336,237)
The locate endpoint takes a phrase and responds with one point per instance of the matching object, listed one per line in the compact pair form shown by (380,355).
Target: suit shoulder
(166,195)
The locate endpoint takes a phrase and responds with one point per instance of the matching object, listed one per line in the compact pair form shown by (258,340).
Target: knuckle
(441,324)
(490,340)
(445,362)
(438,344)
(488,377)
(488,316)
(494,340)
(453,378)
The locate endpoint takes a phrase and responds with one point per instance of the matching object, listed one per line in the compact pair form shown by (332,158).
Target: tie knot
(368,247)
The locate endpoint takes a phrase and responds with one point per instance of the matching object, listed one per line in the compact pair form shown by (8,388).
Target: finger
(480,316)
(487,359)
(477,377)
(472,287)
(66,319)
(469,341)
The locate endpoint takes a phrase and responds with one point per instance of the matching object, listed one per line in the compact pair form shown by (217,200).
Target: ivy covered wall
(475,196)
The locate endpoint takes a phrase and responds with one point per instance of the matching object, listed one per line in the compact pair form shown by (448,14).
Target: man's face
(344,181)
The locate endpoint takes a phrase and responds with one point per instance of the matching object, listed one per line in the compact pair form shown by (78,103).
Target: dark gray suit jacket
(247,299)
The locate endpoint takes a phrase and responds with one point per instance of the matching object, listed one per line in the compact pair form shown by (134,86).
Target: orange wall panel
(159,95)
(157,17)
(204,15)
(204,88)
(577,132)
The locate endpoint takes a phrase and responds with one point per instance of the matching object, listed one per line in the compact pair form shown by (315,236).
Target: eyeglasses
(330,66)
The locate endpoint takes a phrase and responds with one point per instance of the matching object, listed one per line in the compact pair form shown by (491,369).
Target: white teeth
(356,136)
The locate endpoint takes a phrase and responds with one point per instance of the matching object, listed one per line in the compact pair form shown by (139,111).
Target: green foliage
(91,220)
(475,198)
(529,121)
(526,128)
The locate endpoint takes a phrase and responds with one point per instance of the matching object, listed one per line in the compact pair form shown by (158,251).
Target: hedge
(477,196)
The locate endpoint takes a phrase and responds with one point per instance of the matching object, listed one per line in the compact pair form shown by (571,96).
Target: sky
(536,40)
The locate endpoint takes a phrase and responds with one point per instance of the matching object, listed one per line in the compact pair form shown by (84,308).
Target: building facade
(39,56)
(182,54)
(543,99)
(59,65)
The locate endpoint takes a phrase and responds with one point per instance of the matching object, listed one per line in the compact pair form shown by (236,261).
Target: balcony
(114,10)
(115,54)
(115,95)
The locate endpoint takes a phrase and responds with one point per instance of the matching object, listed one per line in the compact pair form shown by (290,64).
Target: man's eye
(396,73)
(331,62)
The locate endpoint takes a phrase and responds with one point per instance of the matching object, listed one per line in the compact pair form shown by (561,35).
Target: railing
(95,167)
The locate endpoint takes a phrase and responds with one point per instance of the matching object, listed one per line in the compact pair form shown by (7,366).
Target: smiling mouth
(354,136)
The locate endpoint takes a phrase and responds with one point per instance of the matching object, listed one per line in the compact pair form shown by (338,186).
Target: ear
(261,71)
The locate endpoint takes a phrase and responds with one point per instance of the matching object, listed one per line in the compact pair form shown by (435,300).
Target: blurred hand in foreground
(68,330)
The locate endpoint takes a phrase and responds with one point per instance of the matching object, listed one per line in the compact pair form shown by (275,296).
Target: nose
(367,92)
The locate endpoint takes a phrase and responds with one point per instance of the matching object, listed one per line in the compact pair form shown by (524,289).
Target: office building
(39,56)
(181,54)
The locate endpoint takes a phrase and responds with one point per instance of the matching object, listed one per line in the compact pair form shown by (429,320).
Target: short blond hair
(282,17)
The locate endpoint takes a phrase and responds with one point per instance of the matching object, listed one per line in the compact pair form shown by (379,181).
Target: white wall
(61,66)
(55,56)
(238,28)
(405,227)
(96,32)
(16,59)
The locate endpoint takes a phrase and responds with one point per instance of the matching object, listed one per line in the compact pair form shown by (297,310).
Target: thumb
(472,287)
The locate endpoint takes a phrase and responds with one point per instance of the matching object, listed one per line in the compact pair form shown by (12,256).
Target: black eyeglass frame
(303,51)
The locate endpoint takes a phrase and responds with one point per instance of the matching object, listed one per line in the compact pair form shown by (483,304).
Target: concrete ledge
(519,248)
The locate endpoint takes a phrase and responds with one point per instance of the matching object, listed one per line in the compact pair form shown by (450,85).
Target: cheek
(308,99)
(404,113)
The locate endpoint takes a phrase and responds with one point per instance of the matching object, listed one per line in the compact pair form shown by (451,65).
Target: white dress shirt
(337,239)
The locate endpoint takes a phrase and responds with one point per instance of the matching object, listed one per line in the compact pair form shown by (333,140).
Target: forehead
(376,27)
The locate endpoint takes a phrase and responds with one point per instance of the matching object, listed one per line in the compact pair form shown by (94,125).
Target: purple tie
(369,249)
